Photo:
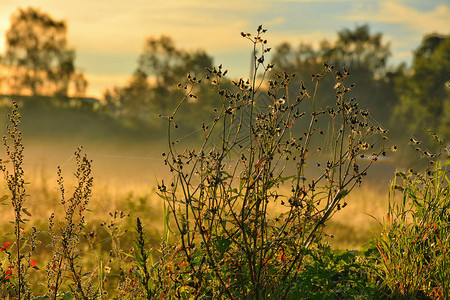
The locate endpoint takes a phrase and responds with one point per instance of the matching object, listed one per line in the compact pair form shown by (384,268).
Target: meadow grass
(248,213)
(352,227)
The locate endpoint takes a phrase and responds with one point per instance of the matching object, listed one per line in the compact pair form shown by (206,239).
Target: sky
(109,35)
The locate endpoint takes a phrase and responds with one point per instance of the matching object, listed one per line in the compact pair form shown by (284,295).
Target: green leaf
(167,229)
(341,194)
(401,174)
(223,244)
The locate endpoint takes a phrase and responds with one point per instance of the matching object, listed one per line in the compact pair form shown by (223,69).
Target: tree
(425,93)
(153,89)
(131,101)
(37,57)
(359,51)
(169,65)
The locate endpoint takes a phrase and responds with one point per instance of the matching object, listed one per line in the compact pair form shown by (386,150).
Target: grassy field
(125,178)
(115,251)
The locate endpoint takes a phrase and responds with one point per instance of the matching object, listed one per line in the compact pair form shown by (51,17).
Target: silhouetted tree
(37,57)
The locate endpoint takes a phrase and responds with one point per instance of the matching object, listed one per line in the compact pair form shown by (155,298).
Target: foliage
(414,243)
(425,93)
(37,57)
(222,196)
(336,274)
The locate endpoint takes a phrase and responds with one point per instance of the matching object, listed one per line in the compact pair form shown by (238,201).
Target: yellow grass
(125,179)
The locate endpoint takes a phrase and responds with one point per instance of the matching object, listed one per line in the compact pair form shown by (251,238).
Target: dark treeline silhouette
(404,99)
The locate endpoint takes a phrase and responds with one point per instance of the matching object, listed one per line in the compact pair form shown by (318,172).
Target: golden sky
(108,35)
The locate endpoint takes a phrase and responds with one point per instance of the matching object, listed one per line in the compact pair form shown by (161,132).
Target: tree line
(38,61)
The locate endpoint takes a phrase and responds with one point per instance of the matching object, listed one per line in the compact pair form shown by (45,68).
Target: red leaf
(33,264)
(8,274)
(5,246)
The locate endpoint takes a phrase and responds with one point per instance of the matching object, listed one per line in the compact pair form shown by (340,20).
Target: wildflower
(414,141)
(281,101)
(427,153)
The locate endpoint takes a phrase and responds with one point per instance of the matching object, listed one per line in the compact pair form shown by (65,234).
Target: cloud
(437,20)
(276,21)
(196,24)
(316,1)
(296,37)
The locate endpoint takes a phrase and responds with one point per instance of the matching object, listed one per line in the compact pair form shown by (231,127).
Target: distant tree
(37,57)
(153,89)
(162,60)
(168,65)
(304,61)
(80,84)
(133,100)
(358,50)
(425,93)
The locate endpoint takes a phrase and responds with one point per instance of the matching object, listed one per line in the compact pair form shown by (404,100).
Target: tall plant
(244,204)
(415,241)
(65,260)
(19,259)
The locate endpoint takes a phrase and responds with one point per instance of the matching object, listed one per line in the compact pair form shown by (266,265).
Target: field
(104,253)
(125,178)
(270,197)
